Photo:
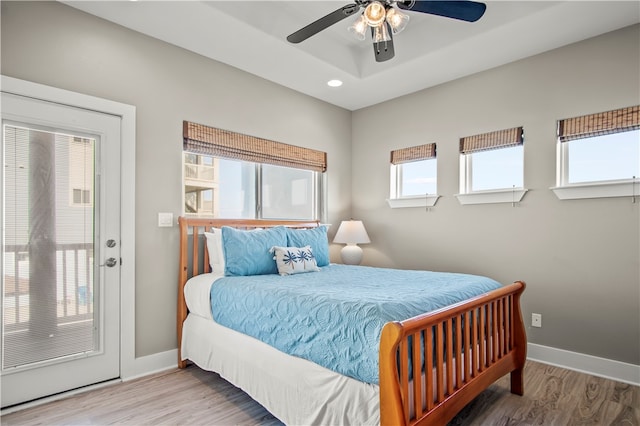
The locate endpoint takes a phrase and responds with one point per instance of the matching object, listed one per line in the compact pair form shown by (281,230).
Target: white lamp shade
(351,232)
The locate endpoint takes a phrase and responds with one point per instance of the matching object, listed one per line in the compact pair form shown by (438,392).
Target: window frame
(593,189)
(400,157)
(502,139)
(609,122)
(318,201)
(214,142)
(318,185)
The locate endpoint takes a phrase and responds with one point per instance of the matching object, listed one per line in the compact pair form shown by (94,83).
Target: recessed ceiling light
(334,83)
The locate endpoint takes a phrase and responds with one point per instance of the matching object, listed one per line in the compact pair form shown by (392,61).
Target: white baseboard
(596,366)
(589,364)
(154,363)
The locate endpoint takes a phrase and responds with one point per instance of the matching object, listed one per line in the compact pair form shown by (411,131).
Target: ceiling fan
(384,20)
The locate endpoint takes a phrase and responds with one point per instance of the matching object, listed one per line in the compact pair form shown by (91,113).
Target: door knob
(111,262)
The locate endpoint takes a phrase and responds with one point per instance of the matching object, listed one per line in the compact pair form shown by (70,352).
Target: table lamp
(351,233)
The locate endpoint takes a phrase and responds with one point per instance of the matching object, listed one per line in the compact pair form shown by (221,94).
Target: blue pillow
(314,237)
(247,252)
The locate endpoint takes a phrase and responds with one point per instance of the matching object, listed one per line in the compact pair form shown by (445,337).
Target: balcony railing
(74,284)
(199,172)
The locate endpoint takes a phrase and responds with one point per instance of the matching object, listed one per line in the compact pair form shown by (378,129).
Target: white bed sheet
(197,293)
(296,391)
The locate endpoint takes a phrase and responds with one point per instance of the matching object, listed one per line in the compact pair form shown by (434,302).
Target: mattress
(334,317)
(296,391)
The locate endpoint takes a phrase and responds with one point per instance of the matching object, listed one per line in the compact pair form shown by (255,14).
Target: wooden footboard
(434,364)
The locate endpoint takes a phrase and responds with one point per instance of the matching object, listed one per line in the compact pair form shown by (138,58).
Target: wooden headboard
(194,258)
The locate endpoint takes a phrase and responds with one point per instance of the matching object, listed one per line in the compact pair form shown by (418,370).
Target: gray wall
(53,44)
(580,258)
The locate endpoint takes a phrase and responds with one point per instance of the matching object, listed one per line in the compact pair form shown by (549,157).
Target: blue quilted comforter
(334,317)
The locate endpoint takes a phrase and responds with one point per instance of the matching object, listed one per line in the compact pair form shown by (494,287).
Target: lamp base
(351,254)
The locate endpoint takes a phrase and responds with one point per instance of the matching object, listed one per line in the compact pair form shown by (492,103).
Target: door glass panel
(48,278)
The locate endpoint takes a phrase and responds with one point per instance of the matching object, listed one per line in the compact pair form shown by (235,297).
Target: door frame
(127,113)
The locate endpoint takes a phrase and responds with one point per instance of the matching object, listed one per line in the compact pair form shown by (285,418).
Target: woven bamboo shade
(492,140)
(602,123)
(414,153)
(215,142)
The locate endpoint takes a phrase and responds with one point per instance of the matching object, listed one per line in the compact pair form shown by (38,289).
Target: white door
(60,248)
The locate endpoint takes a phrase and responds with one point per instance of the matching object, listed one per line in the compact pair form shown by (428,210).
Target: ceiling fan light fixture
(397,20)
(374,13)
(381,33)
(359,28)
(385,19)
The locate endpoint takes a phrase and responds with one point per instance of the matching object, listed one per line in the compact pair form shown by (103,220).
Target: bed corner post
(520,344)
(182,279)
(390,400)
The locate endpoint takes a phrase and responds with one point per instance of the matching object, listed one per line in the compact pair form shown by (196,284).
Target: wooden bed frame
(486,330)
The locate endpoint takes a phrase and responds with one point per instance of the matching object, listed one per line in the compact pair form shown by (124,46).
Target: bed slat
(459,346)
(417,372)
(194,245)
(428,372)
(449,363)
(496,331)
(404,371)
(483,338)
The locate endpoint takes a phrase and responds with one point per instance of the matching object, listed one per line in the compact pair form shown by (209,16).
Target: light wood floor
(553,396)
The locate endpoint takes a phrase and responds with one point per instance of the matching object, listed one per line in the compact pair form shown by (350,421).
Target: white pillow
(214,247)
(294,260)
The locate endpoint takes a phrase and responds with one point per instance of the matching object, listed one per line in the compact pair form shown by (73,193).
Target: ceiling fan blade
(383,50)
(323,23)
(469,11)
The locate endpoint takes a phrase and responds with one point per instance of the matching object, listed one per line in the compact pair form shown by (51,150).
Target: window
(230,175)
(80,164)
(495,169)
(492,167)
(599,154)
(602,158)
(413,177)
(416,179)
(201,190)
(288,193)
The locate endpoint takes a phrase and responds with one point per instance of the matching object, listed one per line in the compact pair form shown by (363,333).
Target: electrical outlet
(536,320)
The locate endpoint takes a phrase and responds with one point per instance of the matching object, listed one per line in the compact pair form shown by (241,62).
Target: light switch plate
(165,219)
